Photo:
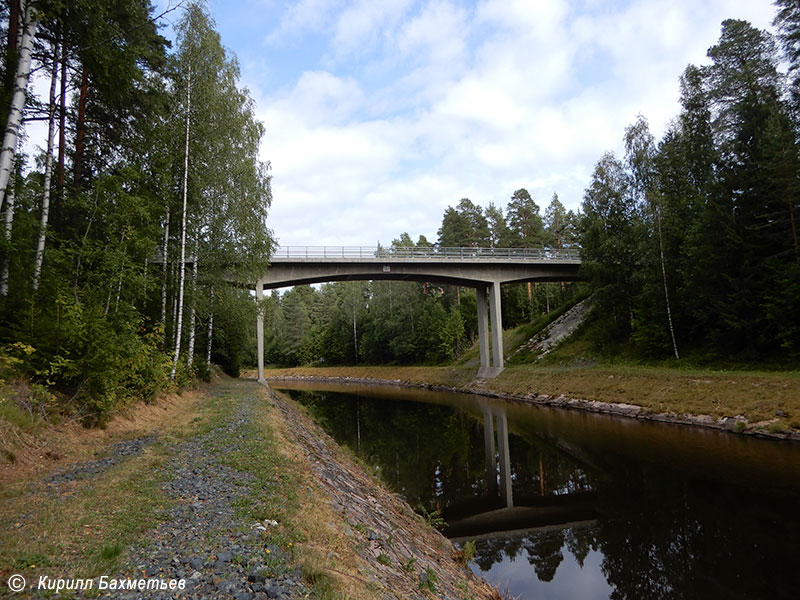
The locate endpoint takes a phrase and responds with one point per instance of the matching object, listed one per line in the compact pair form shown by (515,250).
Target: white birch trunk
(210,327)
(9,221)
(174,307)
(192,316)
(666,290)
(165,267)
(11,136)
(183,231)
(48,174)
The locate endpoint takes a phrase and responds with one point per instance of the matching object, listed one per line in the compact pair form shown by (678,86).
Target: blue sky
(381,113)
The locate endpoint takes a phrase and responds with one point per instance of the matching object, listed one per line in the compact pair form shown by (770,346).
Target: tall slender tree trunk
(210,333)
(183,229)
(165,277)
(8,226)
(794,232)
(355,335)
(80,130)
(62,140)
(48,174)
(12,43)
(14,121)
(121,273)
(666,289)
(174,307)
(192,315)
(12,49)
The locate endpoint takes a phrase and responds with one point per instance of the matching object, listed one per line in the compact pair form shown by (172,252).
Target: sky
(379,114)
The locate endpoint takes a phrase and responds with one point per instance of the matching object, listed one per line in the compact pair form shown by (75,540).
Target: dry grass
(27,455)
(454,376)
(327,554)
(757,396)
(81,528)
(81,532)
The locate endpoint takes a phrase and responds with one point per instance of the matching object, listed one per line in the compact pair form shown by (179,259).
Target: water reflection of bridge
(498,511)
(484,269)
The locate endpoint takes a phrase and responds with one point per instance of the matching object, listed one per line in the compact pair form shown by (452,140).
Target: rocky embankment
(557,331)
(402,556)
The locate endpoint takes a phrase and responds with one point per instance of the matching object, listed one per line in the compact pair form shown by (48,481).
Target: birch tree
(30,23)
(14,122)
(182,262)
(640,151)
(48,172)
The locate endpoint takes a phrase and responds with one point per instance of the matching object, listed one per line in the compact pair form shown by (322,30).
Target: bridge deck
(431,254)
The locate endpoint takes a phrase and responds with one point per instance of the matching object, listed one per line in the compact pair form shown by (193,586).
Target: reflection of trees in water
(434,454)
(668,537)
(662,535)
(544,553)
(543,549)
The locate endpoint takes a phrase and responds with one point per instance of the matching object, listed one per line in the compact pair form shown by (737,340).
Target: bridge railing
(433,252)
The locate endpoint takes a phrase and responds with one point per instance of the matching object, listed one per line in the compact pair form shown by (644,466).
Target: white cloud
(411,107)
(304,15)
(363,24)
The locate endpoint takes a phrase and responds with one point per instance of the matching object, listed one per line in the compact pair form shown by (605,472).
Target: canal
(567,504)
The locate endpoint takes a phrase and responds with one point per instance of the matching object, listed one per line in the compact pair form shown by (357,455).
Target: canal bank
(589,506)
(765,405)
(230,489)
(395,552)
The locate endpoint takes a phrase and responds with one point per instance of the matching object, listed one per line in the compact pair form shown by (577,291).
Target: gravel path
(203,540)
(119,452)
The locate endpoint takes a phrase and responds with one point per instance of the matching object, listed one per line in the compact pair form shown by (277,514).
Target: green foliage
(103,320)
(695,238)
(432,518)
(428,580)
(468,551)
(409,566)
(102,360)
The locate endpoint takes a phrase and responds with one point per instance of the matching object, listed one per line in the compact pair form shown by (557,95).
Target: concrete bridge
(484,269)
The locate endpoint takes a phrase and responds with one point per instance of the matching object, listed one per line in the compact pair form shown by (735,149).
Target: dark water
(583,505)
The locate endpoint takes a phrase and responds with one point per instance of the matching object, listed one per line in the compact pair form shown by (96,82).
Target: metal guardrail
(433,252)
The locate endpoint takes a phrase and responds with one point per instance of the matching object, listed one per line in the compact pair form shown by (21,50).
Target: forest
(131,228)
(128,230)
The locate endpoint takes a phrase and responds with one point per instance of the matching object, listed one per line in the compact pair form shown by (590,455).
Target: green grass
(85,529)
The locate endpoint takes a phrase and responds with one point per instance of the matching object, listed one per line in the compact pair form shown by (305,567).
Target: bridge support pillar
(483,327)
(489,370)
(490,452)
(496,318)
(505,460)
(260,330)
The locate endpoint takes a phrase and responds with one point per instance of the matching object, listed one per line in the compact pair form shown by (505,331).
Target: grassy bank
(761,397)
(91,524)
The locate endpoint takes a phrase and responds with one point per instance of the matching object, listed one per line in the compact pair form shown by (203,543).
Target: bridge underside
(485,276)
(468,274)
